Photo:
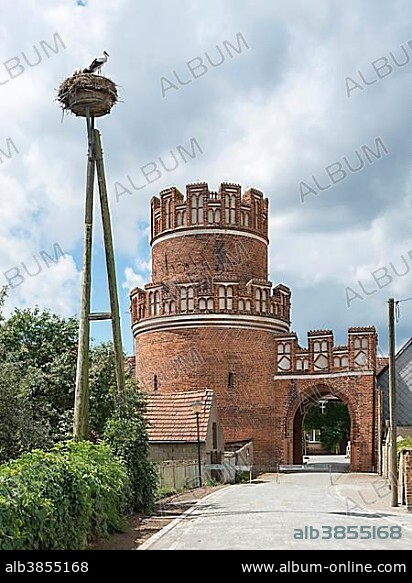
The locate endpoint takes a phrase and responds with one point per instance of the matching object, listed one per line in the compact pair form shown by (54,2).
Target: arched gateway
(211,318)
(305,376)
(346,372)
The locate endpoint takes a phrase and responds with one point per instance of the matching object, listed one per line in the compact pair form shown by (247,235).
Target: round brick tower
(210,317)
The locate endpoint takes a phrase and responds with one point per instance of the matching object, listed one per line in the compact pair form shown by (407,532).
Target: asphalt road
(272,511)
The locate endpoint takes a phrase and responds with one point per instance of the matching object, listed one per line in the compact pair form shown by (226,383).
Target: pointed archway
(321,428)
(303,398)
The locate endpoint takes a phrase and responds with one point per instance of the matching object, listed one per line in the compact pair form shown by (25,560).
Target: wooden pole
(392,401)
(111,266)
(81,402)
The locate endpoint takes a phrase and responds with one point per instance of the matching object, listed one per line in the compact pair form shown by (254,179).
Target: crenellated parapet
(256,298)
(322,356)
(201,208)
(209,261)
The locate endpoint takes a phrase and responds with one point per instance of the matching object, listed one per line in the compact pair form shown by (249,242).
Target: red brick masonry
(211,319)
(407,468)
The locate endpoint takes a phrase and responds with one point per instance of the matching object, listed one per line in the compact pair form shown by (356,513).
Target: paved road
(265,514)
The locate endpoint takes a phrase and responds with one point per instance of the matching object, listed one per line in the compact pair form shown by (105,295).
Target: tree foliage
(37,376)
(38,355)
(126,432)
(333,424)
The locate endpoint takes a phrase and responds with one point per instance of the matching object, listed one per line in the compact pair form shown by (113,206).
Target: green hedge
(63,498)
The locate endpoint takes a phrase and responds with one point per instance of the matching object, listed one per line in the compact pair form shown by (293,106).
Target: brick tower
(210,317)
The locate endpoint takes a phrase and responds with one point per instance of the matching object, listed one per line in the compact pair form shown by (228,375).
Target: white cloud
(53,286)
(133,279)
(268,118)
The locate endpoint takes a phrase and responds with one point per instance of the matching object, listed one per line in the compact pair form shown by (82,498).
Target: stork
(97,64)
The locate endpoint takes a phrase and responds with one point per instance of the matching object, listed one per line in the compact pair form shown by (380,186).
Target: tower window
(154,301)
(230,380)
(190,299)
(258,296)
(157,302)
(168,203)
(183,299)
(155,383)
(222,297)
(261,297)
(264,296)
(244,218)
(213,216)
(225,297)
(187,299)
(197,209)
(229,297)
(256,209)
(181,218)
(230,208)
(157,225)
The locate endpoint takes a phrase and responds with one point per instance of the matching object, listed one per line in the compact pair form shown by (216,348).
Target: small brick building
(172,427)
(211,317)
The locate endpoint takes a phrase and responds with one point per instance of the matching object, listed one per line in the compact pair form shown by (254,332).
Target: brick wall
(295,396)
(255,406)
(407,468)
(233,350)
(203,357)
(202,257)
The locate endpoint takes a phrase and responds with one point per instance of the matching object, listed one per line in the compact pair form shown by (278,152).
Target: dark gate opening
(322,428)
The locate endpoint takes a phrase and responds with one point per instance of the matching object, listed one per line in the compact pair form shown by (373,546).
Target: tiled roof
(171,416)
(381,363)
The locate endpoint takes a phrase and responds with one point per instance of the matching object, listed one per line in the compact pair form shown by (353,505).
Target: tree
(38,356)
(126,432)
(119,419)
(333,424)
(102,387)
(37,368)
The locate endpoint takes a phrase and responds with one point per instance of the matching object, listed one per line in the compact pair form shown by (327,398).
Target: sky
(311,103)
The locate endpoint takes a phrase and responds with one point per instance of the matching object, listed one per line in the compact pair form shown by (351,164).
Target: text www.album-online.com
(345,567)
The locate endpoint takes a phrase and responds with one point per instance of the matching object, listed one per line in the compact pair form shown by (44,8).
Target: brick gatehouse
(210,318)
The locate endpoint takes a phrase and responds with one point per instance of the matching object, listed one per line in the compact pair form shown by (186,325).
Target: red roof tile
(171,416)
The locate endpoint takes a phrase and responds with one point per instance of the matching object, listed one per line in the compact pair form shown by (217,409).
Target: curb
(154,538)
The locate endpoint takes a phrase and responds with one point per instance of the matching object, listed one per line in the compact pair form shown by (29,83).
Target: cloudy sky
(313,105)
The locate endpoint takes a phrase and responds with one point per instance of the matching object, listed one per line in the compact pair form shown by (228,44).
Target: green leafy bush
(63,498)
(404,443)
(165,492)
(126,432)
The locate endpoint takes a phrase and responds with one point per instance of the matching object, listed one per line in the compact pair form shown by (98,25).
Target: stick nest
(86,93)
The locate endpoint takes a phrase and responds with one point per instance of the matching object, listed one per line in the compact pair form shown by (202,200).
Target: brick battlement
(319,332)
(226,208)
(210,317)
(322,356)
(157,300)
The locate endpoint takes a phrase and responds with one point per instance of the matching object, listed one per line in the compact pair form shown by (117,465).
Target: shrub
(404,443)
(165,492)
(61,499)
(126,432)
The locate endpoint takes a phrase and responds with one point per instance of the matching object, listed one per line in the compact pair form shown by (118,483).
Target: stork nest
(86,94)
